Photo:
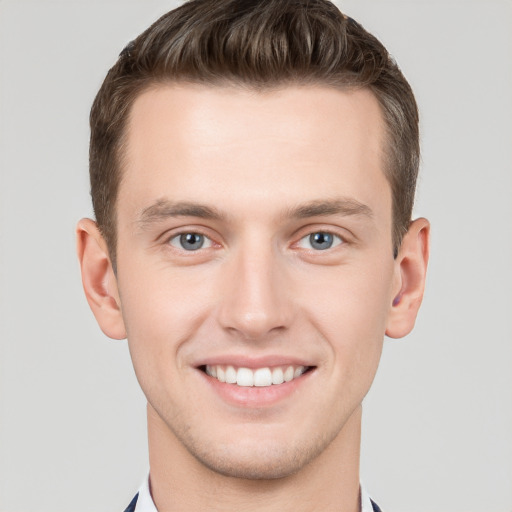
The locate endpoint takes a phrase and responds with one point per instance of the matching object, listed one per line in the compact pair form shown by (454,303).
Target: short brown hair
(261,44)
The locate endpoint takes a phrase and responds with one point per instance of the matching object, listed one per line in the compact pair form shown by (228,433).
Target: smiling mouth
(257,377)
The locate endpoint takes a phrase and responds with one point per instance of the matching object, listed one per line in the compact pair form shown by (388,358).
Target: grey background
(437,432)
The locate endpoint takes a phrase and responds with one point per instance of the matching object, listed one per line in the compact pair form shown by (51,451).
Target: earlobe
(99,280)
(411,267)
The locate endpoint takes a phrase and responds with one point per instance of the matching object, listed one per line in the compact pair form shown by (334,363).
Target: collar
(145,501)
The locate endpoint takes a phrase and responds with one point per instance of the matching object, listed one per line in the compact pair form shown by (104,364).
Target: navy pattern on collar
(376,507)
(131,506)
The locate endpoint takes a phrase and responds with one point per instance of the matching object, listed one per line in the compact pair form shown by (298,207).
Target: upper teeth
(255,377)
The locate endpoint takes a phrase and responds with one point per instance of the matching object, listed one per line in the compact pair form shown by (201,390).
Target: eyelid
(206,245)
(174,233)
(320,227)
(341,240)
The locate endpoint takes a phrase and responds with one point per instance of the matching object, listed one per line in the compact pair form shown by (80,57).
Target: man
(253,167)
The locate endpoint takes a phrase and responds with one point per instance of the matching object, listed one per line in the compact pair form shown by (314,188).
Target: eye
(190,241)
(320,241)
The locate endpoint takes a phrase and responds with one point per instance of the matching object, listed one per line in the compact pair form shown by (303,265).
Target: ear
(99,280)
(410,272)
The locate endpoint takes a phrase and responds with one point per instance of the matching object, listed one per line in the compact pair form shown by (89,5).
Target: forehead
(195,142)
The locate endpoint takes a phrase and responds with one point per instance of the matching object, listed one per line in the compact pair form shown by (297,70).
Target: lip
(255,397)
(253,362)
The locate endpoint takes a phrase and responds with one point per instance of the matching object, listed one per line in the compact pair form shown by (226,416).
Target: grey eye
(320,241)
(190,241)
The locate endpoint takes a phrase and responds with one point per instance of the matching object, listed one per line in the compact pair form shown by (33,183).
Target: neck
(180,482)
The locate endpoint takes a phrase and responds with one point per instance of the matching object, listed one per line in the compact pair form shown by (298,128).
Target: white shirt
(145,501)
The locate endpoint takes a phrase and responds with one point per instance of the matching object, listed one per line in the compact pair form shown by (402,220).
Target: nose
(255,298)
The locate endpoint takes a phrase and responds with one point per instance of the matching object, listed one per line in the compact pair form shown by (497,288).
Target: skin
(255,174)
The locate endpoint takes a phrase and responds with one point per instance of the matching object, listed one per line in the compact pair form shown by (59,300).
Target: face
(255,268)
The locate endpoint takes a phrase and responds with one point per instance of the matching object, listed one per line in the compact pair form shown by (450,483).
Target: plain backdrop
(437,433)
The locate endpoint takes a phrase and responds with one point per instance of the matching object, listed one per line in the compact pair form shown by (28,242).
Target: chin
(257,461)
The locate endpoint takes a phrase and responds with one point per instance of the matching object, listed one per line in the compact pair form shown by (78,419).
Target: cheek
(162,309)
(154,297)
(349,308)
(158,315)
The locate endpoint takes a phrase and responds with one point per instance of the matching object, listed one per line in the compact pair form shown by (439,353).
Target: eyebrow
(340,206)
(164,209)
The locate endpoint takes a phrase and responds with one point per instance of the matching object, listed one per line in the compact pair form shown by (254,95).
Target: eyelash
(337,240)
(178,238)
